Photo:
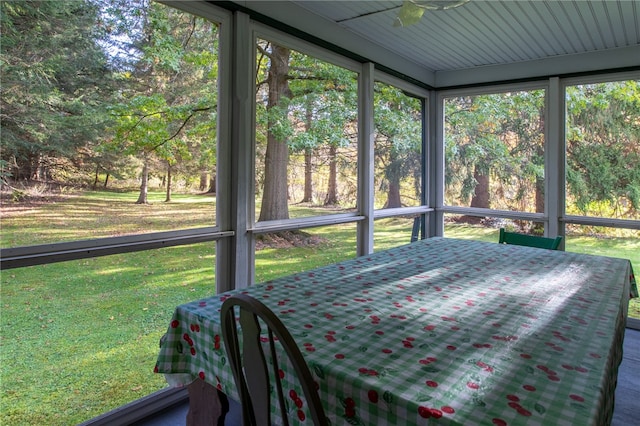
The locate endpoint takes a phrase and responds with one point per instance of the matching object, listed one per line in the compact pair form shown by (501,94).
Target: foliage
(167,111)
(304,105)
(54,82)
(603,148)
(498,137)
(398,143)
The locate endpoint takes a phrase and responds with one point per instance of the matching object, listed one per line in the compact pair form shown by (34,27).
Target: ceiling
(479,40)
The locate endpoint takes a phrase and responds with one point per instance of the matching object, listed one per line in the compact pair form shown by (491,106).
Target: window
(136,125)
(306,135)
(398,148)
(494,151)
(121,156)
(603,150)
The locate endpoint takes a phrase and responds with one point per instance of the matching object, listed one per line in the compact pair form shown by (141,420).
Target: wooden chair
(249,365)
(415,231)
(529,240)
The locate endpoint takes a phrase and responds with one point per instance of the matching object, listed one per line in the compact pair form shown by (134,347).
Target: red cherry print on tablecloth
(187,339)
(367,371)
(427,412)
(330,336)
(373,396)
(427,360)
(349,407)
(424,412)
(435,413)
(485,367)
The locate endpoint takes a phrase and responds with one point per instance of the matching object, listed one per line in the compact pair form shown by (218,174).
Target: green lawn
(80,338)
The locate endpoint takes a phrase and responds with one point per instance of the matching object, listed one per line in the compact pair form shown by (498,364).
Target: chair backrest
(249,365)
(415,230)
(529,240)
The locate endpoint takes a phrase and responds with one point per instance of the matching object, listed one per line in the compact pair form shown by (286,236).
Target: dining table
(439,331)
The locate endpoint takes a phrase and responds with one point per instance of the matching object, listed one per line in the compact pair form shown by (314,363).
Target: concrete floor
(626,412)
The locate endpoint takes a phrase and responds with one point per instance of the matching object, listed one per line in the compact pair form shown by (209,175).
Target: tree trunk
(308,173)
(393,196)
(308,176)
(142,198)
(95,178)
(332,187)
(480,197)
(168,198)
(212,183)
(274,197)
(393,173)
(106,180)
(203,181)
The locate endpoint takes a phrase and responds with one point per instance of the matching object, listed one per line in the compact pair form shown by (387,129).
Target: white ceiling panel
(483,32)
(480,40)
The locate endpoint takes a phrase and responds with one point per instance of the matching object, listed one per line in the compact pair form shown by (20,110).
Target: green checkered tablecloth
(447,331)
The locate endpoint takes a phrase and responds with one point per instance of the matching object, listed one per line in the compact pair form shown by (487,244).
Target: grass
(80,338)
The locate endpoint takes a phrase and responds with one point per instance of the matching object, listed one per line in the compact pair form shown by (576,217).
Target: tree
(494,145)
(304,104)
(54,80)
(274,199)
(603,148)
(168,110)
(398,143)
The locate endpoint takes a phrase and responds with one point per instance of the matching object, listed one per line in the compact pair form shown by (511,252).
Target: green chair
(529,240)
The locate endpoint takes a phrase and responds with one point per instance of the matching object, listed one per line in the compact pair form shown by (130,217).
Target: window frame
(443,209)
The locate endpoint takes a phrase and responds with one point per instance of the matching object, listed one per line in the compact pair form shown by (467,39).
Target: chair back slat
(255,365)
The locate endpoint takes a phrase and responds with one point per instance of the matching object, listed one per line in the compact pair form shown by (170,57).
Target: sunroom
(342,128)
